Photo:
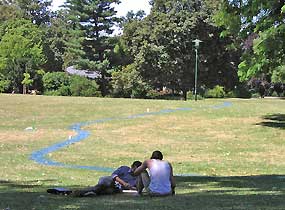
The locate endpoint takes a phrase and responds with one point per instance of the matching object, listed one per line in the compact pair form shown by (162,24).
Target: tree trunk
(24,89)
(184,94)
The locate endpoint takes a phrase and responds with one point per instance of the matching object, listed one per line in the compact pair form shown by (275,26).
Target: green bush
(153,94)
(217,92)
(4,84)
(128,83)
(278,75)
(230,94)
(53,81)
(61,84)
(52,93)
(81,86)
(64,91)
(191,96)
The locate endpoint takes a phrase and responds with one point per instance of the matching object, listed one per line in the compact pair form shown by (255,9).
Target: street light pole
(196,74)
(196,42)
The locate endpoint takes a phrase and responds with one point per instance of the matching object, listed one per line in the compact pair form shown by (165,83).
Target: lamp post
(196,44)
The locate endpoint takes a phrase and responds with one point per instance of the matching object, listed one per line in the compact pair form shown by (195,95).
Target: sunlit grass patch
(238,148)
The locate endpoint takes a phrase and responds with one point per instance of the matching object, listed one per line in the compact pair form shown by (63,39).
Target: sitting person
(122,178)
(160,180)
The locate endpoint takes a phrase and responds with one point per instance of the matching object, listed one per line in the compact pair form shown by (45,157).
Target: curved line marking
(41,156)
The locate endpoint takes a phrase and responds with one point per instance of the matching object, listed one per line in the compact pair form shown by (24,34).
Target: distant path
(41,156)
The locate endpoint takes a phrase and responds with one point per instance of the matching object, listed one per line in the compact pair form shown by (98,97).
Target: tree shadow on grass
(237,192)
(274,121)
(264,192)
(23,185)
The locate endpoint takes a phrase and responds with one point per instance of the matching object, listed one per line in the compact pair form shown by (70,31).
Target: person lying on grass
(159,181)
(122,178)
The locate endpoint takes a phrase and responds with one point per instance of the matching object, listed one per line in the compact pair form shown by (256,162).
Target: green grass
(239,150)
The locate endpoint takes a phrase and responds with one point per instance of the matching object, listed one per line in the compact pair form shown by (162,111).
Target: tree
(128,83)
(36,10)
(9,10)
(91,22)
(54,44)
(259,28)
(4,83)
(163,48)
(27,81)
(20,51)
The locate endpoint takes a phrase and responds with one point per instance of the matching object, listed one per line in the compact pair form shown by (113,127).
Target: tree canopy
(258,26)
(20,51)
(162,45)
(241,40)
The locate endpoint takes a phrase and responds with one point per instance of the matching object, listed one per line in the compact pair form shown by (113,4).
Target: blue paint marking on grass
(42,156)
(224,105)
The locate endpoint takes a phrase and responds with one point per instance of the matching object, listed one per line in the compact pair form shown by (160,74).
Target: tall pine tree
(92,24)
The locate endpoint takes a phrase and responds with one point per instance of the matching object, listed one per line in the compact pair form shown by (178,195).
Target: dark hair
(136,163)
(157,155)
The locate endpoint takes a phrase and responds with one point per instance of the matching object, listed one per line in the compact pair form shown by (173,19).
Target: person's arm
(123,183)
(116,177)
(142,168)
(117,172)
(172,180)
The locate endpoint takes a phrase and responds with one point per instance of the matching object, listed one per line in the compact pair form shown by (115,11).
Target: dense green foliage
(216,92)
(20,51)
(241,40)
(162,45)
(56,83)
(81,86)
(92,29)
(61,84)
(259,28)
(128,83)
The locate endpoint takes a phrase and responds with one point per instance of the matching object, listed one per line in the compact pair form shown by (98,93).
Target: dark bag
(59,191)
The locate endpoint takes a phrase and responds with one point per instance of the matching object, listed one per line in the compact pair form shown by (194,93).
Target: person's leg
(95,190)
(106,181)
(99,189)
(109,190)
(143,181)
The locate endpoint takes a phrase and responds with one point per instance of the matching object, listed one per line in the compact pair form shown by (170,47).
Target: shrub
(4,84)
(52,93)
(64,91)
(128,83)
(81,86)
(153,94)
(53,81)
(230,94)
(61,84)
(278,75)
(191,96)
(217,92)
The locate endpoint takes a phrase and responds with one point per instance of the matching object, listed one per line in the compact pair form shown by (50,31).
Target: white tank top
(160,177)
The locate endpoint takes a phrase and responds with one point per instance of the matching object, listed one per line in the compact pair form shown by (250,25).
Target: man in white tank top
(159,180)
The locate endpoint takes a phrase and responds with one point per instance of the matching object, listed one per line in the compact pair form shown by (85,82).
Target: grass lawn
(238,151)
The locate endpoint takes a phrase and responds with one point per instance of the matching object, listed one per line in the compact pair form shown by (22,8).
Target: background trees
(94,19)
(163,49)
(258,26)
(20,52)
(241,40)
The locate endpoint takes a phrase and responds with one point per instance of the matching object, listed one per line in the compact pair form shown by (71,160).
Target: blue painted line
(224,105)
(41,156)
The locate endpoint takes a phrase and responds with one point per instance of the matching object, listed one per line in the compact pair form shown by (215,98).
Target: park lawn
(227,157)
